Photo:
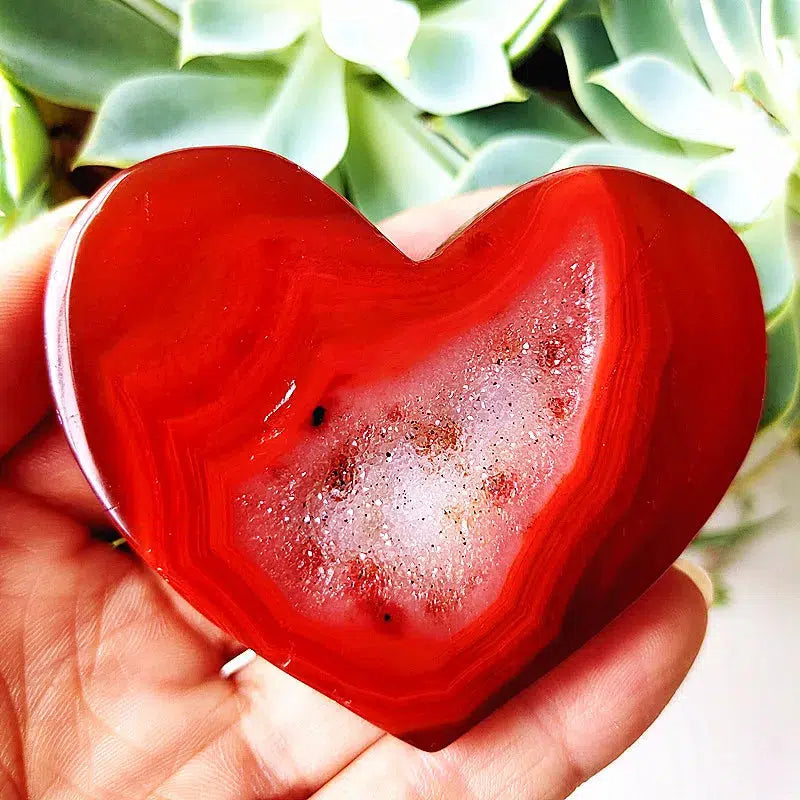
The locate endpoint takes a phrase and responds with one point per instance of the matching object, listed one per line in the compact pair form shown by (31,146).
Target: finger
(566,727)
(43,466)
(304,736)
(419,231)
(24,262)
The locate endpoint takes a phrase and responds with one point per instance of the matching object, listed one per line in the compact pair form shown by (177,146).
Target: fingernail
(699,577)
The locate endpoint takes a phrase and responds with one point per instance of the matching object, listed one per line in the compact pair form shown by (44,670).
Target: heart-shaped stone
(415,486)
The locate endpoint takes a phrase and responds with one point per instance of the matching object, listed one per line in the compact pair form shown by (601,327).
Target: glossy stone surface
(415,486)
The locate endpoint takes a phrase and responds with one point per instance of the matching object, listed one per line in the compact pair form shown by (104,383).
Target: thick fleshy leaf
(242,27)
(24,146)
(335,180)
(307,120)
(780,19)
(33,205)
(24,153)
(671,101)
(767,240)
(789,55)
(587,49)
(453,69)
(735,30)
(174,5)
(741,185)
(536,115)
(74,52)
(675,169)
(766,91)
(691,21)
(510,160)
(780,36)
(433,5)
(393,160)
(499,20)
(376,33)
(793,197)
(147,116)
(527,37)
(789,58)
(645,27)
(303,117)
(158,13)
(783,363)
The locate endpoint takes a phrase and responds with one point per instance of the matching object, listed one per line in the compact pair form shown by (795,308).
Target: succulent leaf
(24,153)
(302,117)
(671,101)
(452,69)
(373,34)
(393,161)
(741,185)
(510,160)
(783,363)
(241,27)
(335,179)
(649,27)
(466,132)
(780,19)
(767,240)
(74,53)
(587,50)
(526,38)
(307,119)
(691,21)
(674,169)
(735,29)
(500,20)
(144,117)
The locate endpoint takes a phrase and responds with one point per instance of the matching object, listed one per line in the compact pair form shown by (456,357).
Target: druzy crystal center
(404,504)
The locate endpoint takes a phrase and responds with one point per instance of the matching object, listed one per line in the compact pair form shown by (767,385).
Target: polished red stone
(415,486)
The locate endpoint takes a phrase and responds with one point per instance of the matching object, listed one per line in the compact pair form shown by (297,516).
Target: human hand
(110,684)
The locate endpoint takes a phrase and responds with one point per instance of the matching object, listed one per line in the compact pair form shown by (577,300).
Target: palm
(110,685)
(112,688)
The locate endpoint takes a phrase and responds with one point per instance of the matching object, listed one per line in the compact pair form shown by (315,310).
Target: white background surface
(732,732)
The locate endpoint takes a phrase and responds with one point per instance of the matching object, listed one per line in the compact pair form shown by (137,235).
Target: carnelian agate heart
(415,486)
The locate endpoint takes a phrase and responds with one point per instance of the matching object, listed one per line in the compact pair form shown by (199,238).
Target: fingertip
(419,231)
(43,466)
(672,614)
(25,258)
(699,577)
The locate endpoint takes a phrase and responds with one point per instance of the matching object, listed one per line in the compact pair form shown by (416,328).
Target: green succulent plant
(23,157)
(702,93)
(335,85)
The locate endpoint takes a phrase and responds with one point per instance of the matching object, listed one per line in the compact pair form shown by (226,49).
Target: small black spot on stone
(387,617)
(317,416)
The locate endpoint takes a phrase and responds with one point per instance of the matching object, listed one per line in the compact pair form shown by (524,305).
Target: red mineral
(427,482)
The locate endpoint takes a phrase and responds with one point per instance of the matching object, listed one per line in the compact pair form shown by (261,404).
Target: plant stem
(747,479)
